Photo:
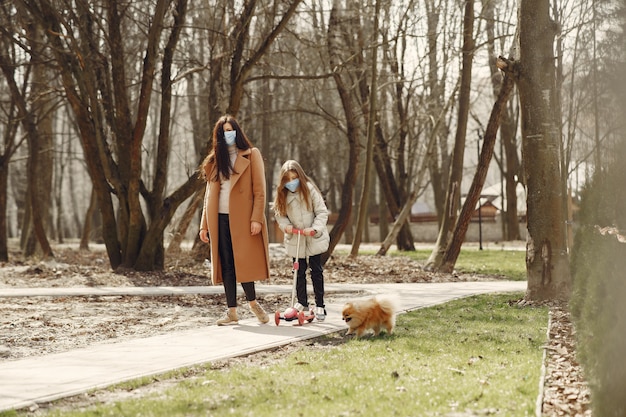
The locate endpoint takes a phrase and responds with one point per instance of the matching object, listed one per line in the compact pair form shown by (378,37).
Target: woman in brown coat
(233,216)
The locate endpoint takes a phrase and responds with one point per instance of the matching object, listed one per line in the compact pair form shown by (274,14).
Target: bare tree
(440,32)
(9,123)
(509,163)
(394,158)
(473,196)
(363,217)
(456,168)
(39,138)
(342,29)
(93,51)
(418,180)
(240,68)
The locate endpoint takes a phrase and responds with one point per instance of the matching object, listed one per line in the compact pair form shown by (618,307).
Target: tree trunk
(59,199)
(352,129)
(456,169)
(4,186)
(363,219)
(394,196)
(394,183)
(91,210)
(41,155)
(266,142)
(454,247)
(435,104)
(151,254)
(509,164)
(512,177)
(547,260)
(39,189)
(179,234)
(73,188)
(10,146)
(34,224)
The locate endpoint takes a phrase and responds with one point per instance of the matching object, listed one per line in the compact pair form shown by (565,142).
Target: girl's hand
(309,231)
(204,235)
(255,228)
(289,229)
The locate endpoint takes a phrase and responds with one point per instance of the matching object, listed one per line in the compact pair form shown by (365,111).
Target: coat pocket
(320,243)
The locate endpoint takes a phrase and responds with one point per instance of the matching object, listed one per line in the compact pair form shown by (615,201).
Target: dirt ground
(34,326)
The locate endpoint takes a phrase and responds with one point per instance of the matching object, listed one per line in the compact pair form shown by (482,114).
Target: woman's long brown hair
(219,153)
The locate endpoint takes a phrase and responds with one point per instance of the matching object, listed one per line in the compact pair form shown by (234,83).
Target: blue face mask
(229,137)
(293,185)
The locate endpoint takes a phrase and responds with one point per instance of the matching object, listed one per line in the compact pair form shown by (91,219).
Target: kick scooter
(291,313)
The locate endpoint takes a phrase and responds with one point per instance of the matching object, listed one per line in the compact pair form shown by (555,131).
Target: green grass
(510,264)
(477,355)
(506,263)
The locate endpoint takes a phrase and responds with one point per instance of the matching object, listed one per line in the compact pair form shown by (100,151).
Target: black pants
(317,277)
(227,260)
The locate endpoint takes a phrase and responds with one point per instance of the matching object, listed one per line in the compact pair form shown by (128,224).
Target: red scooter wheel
(301,318)
(277,318)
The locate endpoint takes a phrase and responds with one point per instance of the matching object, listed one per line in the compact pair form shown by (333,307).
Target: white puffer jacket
(299,216)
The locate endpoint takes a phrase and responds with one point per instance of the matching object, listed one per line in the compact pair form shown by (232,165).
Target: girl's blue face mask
(229,137)
(293,185)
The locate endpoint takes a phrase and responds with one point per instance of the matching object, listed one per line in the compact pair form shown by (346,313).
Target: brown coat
(247,204)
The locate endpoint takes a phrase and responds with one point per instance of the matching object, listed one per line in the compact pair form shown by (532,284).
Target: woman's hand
(204,235)
(255,228)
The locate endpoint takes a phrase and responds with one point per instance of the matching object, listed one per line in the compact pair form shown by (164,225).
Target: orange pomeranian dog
(371,313)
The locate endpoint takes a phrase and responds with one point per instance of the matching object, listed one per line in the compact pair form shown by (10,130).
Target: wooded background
(106,110)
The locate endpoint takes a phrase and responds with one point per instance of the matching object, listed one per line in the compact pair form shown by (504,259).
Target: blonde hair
(280,201)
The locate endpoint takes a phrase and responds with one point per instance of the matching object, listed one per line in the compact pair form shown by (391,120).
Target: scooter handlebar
(301,232)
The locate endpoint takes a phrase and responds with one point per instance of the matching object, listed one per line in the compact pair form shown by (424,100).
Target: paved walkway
(46,378)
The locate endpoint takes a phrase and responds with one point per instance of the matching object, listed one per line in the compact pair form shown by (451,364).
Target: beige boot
(259,312)
(229,319)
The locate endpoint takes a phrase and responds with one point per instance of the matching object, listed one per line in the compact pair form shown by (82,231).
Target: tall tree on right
(547,260)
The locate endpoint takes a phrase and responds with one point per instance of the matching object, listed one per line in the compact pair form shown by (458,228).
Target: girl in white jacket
(299,205)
